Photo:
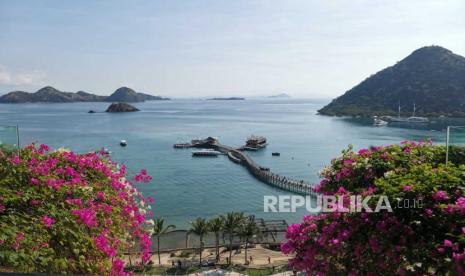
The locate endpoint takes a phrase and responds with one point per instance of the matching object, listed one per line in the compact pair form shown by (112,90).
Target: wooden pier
(261,173)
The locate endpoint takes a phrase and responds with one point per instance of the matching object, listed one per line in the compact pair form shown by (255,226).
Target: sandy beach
(261,257)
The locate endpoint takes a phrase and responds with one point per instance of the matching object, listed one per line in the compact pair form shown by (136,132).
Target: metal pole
(447,144)
(17,140)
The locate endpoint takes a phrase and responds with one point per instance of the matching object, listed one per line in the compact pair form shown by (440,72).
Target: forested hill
(431,77)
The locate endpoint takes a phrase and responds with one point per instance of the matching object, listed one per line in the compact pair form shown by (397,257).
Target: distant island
(121,107)
(49,94)
(432,78)
(280,96)
(227,99)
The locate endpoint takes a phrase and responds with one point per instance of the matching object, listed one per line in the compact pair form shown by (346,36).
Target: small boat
(123,143)
(395,119)
(206,152)
(275,154)
(416,119)
(399,118)
(182,145)
(105,151)
(378,122)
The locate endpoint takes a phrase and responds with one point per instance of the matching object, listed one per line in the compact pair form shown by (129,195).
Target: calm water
(186,187)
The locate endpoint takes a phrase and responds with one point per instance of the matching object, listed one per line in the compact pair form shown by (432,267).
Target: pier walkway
(261,173)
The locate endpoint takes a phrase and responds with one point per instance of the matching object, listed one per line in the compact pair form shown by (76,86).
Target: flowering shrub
(423,241)
(62,212)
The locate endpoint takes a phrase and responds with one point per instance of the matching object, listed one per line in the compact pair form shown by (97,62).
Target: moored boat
(182,145)
(255,143)
(206,152)
(416,119)
(378,122)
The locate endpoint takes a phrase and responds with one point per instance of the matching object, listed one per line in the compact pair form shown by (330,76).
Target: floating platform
(255,148)
(206,152)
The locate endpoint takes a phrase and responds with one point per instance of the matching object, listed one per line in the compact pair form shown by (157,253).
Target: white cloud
(31,78)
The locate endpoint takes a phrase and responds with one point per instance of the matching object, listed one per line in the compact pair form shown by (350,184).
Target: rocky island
(126,94)
(432,78)
(49,94)
(121,107)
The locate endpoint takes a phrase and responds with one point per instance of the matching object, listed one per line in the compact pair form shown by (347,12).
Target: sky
(308,49)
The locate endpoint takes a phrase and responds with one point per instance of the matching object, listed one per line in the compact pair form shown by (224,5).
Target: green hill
(49,94)
(431,77)
(126,94)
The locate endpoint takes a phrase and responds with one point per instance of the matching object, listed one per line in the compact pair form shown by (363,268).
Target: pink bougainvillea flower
(74,201)
(146,244)
(48,221)
(287,248)
(17,160)
(448,243)
(441,196)
(318,244)
(143,177)
(101,195)
(19,239)
(429,212)
(43,148)
(35,181)
(87,216)
(407,188)
(93,198)
(117,267)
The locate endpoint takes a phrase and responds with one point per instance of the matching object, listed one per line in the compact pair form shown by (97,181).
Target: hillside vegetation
(431,77)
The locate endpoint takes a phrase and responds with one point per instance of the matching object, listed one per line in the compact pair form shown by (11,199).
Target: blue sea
(185,187)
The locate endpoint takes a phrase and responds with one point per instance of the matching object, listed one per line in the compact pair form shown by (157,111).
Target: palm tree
(215,225)
(247,229)
(200,228)
(159,230)
(231,222)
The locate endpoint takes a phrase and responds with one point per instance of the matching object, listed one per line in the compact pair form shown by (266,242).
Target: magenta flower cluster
(420,240)
(77,198)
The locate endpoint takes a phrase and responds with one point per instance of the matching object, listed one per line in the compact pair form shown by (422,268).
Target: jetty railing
(261,173)
(273,179)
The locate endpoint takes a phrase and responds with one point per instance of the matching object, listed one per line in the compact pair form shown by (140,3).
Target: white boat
(411,119)
(414,119)
(105,151)
(206,152)
(123,143)
(417,119)
(395,119)
(378,122)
